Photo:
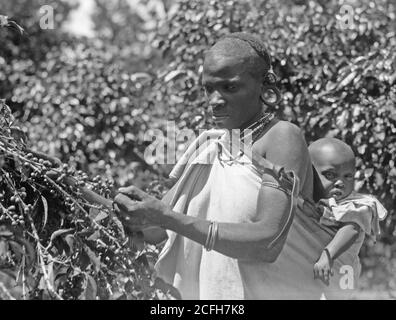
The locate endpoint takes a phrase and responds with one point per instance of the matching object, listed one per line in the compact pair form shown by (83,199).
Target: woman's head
(235,71)
(334,161)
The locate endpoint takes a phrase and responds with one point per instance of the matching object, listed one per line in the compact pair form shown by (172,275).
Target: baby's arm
(343,239)
(341,242)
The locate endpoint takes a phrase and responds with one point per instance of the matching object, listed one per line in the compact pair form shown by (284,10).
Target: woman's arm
(246,241)
(249,240)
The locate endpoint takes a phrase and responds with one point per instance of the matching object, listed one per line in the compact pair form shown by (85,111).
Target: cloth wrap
(362,209)
(215,182)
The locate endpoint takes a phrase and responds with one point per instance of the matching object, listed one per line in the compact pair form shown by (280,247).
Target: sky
(80,23)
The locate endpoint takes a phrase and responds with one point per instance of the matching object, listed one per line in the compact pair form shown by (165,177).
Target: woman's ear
(270,77)
(270,94)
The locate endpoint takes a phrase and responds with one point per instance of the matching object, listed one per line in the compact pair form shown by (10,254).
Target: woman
(239,207)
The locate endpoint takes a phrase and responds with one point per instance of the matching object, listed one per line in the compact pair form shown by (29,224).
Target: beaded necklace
(254,130)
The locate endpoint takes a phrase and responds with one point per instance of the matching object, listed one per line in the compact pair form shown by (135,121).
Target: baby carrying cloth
(364,210)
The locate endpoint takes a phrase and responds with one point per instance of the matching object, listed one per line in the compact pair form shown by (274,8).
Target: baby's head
(334,161)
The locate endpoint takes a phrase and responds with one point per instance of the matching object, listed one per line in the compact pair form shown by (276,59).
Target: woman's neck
(255,118)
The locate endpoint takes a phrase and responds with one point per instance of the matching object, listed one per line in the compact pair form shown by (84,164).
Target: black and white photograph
(190,150)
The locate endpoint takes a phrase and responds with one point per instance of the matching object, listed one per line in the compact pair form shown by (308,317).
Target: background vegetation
(91,101)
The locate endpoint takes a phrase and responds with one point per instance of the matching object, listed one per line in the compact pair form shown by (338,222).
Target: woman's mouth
(219,117)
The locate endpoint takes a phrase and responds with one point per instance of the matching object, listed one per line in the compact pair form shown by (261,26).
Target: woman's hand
(137,209)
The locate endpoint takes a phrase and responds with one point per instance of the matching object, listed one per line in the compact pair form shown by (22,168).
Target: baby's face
(336,174)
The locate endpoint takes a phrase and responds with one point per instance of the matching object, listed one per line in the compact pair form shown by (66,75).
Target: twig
(5,294)
(41,260)
(23,274)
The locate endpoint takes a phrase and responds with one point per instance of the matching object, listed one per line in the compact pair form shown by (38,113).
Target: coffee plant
(59,236)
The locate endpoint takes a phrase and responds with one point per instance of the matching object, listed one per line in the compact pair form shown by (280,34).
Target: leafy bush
(59,236)
(59,239)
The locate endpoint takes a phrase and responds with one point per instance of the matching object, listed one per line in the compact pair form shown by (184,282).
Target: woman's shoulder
(286,135)
(284,145)
(285,127)
(284,132)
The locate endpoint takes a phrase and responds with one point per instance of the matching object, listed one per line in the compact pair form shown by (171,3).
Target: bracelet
(328,254)
(212,235)
(209,236)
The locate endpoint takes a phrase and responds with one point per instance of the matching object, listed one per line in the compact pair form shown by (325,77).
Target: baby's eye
(349,176)
(208,89)
(329,175)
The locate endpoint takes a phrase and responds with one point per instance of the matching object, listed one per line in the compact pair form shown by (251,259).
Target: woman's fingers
(124,203)
(133,202)
(134,223)
(128,212)
(133,193)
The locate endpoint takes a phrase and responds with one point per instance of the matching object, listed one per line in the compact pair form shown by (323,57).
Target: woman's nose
(215,98)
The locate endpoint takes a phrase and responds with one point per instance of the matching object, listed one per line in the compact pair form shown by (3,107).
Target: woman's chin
(221,122)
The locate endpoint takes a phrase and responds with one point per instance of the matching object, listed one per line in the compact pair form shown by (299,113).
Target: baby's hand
(322,269)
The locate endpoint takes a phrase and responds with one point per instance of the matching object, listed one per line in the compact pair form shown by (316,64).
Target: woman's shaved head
(247,49)
(236,72)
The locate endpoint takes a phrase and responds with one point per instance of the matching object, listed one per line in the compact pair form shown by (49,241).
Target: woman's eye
(349,176)
(230,88)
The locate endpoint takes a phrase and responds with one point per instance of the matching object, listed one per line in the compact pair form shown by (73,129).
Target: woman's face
(233,94)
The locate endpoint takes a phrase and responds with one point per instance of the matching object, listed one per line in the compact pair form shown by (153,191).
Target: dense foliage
(59,236)
(92,103)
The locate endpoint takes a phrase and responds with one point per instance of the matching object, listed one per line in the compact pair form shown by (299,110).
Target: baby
(352,214)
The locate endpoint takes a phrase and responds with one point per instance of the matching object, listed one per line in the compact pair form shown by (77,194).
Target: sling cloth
(216,183)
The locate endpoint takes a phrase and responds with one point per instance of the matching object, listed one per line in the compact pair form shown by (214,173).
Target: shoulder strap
(318,189)
(272,122)
(287,181)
